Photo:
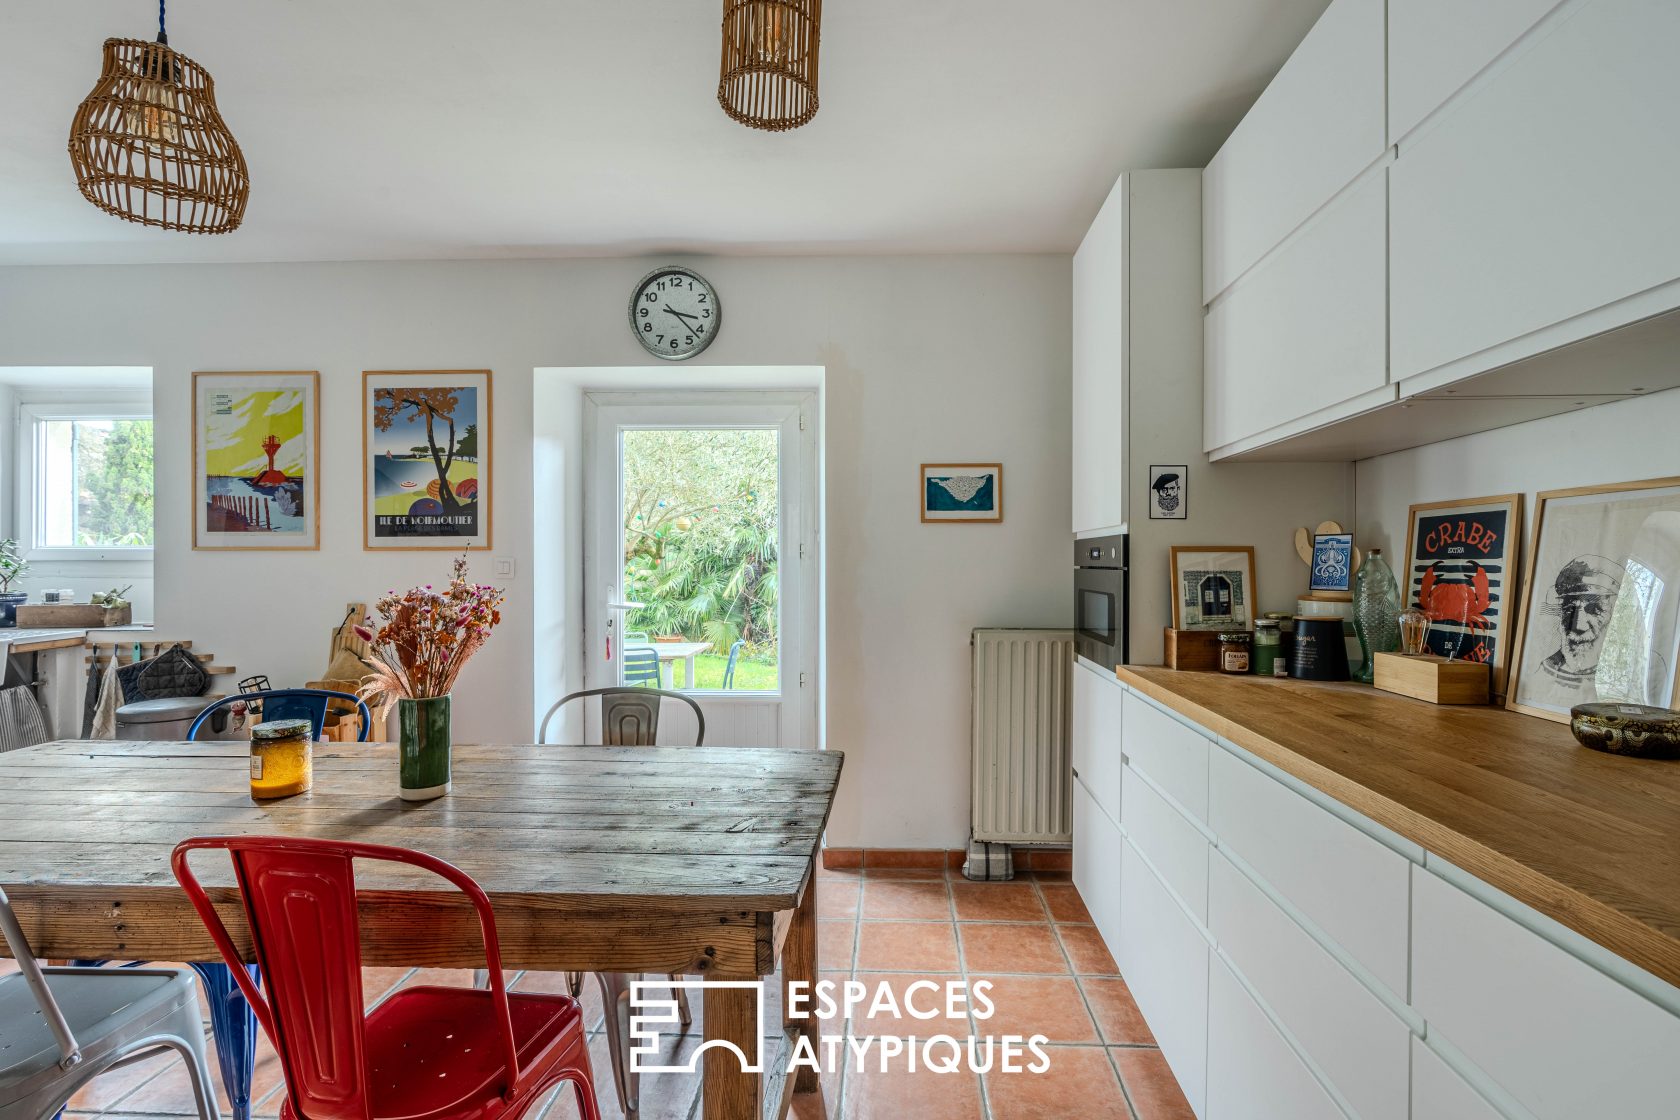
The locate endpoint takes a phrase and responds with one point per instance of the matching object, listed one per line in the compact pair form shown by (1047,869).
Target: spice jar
(1233,651)
(1268,647)
(280,764)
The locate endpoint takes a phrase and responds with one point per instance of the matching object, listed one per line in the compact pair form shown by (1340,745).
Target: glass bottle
(1376,611)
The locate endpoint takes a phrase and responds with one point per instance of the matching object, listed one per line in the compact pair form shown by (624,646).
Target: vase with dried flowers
(421,642)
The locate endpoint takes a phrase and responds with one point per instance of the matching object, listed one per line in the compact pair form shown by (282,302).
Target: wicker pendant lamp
(770,62)
(149,146)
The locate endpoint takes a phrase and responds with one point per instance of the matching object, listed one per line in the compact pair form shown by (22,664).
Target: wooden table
(648,859)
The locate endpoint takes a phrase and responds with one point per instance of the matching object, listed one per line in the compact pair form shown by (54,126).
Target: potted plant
(12,567)
(419,646)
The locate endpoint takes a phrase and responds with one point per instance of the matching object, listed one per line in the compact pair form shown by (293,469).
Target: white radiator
(1022,772)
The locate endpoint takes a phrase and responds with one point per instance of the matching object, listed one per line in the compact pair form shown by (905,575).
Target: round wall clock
(675,313)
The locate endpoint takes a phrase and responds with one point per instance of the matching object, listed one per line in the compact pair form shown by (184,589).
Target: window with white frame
(87,483)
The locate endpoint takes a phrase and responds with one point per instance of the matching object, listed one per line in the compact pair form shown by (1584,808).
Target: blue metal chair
(641,666)
(232,1021)
(729,669)
(290,703)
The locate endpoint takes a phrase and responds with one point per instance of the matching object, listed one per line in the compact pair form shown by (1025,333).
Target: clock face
(675,313)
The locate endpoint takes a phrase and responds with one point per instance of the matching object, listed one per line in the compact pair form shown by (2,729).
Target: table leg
(730,1092)
(234,1026)
(688,667)
(799,963)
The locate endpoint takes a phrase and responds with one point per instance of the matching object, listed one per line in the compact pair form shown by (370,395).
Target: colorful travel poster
(427,443)
(255,457)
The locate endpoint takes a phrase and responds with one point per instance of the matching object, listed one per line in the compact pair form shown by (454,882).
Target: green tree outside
(114,484)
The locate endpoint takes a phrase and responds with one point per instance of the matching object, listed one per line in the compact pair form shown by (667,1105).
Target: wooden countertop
(40,638)
(1589,839)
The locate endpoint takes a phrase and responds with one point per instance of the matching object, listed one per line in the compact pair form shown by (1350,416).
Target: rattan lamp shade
(770,52)
(148,144)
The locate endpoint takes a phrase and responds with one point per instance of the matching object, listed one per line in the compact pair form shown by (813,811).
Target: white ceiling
(388,129)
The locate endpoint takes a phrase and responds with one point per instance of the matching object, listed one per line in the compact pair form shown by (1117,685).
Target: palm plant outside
(700,546)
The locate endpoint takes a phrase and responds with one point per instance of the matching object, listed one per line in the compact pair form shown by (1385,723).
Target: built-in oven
(1099,599)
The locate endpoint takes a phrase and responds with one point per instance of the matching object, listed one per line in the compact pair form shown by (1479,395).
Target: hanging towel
(90,695)
(104,725)
(22,723)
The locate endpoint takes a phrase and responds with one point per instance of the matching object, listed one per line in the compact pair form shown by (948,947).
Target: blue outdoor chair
(232,1021)
(729,669)
(641,666)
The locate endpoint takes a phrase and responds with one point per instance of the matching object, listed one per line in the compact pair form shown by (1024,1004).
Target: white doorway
(700,547)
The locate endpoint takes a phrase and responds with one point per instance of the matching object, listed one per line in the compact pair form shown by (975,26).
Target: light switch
(504,566)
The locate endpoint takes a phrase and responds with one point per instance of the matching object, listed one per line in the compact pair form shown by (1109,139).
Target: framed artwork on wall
(962,491)
(426,456)
(1601,600)
(1169,493)
(1462,571)
(1212,587)
(256,461)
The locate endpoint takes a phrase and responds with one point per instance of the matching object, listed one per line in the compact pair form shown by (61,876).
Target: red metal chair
(428,1052)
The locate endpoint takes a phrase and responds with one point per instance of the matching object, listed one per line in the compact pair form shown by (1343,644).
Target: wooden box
(1194,651)
(78,615)
(1433,678)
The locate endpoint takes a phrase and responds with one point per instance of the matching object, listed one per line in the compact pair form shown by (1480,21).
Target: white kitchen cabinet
(1359,1043)
(1096,748)
(1560,1036)
(1539,209)
(1317,125)
(1096,864)
(1172,844)
(1165,960)
(1171,752)
(1439,1093)
(1252,1073)
(1436,46)
(1099,368)
(1302,340)
(1350,886)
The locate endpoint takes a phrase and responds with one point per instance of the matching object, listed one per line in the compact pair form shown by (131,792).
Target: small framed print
(1601,600)
(426,442)
(1169,493)
(1332,563)
(962,492)
(1212,587)
(256,463)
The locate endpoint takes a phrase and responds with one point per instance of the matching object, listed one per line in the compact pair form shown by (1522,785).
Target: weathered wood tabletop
(618,859)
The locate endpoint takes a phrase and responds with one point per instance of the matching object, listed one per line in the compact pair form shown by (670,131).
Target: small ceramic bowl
(1630,729)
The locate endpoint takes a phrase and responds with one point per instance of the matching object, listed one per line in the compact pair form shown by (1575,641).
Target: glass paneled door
(700,559)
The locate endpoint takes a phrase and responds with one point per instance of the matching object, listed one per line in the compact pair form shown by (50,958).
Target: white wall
(926,359)
(1620,442)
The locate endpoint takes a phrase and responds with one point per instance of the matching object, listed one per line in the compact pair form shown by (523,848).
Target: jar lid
(1267,624)
(1236,636)
(283,729)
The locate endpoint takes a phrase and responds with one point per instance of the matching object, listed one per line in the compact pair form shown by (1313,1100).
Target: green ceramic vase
(423,741)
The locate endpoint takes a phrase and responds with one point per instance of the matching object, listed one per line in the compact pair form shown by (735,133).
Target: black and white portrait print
(1602,615)
(1169,493)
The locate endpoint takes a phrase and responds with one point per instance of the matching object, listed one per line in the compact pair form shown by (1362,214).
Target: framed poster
(1601,601)
(1331,569)
(1461,570)
(256,460)
(962,491)
(1212,587)
(426,459)
(1169,493)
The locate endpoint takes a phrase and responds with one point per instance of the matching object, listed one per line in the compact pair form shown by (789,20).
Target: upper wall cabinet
(1099,368)
(1303,337)
(1436,46)
(1539,208)
(1318,124)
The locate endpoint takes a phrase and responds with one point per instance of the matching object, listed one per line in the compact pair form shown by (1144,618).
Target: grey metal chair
(62,1027)
(629,718)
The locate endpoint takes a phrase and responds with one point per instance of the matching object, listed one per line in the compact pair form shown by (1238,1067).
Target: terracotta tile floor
(1031,938)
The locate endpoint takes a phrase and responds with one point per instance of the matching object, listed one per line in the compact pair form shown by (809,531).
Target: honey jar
(280,758)
(1234,651)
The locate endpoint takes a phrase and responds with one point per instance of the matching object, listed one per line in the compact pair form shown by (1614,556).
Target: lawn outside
(750,676)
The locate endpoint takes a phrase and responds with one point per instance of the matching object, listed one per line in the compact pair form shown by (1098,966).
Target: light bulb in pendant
(154,112)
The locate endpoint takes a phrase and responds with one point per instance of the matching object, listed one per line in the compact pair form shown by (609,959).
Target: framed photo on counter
(1601,600)
(1212,587)
(1462,571)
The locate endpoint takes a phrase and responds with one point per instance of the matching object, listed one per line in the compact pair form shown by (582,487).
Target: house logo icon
(653,1006)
